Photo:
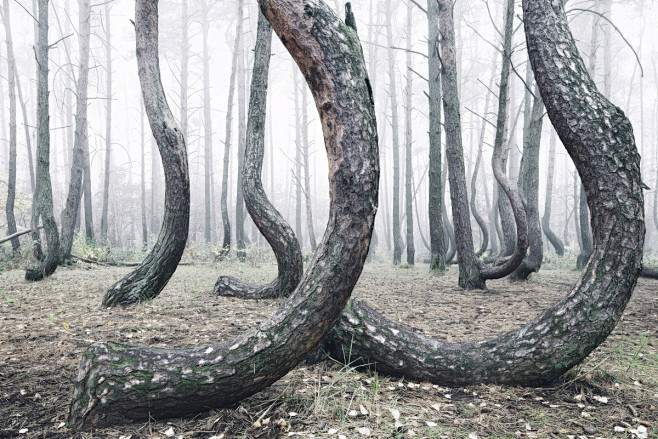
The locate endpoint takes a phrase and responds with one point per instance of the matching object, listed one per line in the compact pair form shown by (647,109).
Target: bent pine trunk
(599,138)
(116,381)
(268,220)
(148,280)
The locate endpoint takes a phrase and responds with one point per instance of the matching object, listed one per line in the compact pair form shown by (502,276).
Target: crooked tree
(148,280)
(599,138)
(268,220)
(331,59)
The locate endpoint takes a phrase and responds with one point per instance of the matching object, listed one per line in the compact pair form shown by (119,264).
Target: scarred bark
(116,381)
(268,220)
(599,138)
(148,280)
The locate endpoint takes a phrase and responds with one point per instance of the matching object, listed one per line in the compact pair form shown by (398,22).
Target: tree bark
(44,196)
(207,126)
(240,236)
(116,381)
(408,198)
(11,83)
(148,280)
(108,124)
(397,237)
(72,209)
(26,126)
(268,220)
(529,187)
(145,236)
(546,219)
(296,175)
(437,239)
(469,273)
(226,221)
(600,140)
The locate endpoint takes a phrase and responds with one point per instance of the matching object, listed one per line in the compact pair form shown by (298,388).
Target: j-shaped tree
(599,138)
(118,382)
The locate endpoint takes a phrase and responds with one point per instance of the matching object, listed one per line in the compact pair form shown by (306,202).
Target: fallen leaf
(365,431)
(601,399)
(430,424)
(395,413)
(169,432)
(332,431)
(363,410)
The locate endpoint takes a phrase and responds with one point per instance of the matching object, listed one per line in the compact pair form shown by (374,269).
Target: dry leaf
(395,413)
(169,432)
(365,431)
(363,410)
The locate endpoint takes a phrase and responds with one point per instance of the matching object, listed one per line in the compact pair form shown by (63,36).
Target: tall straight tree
(11,83)
(226,221)
(207,122)
(397,238)
(297,181)
(240,236)
(72,208)
(437,241)
(108,123)
(307,170)
(408,140)
(546,219)
(142,135)
(44,198)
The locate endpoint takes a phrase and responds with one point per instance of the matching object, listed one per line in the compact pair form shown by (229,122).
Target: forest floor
(45,327)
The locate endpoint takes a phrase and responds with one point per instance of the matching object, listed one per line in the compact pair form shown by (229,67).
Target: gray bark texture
(437,240)
(469,273)
(529,187)
(11,83)
(546,219)
(226,220)
(44,193)
(397,237)
(118,382)
(599,138)
(148,280)
(408,141)
(307,172)
(145,237)
(72,208)
(241,240)
(268,220)
(108,124)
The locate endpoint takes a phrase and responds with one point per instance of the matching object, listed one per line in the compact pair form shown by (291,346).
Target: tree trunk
(116,381)
(108,124)
(546,220)
(529,187)
(296,177)
(86,190)
(145,237)
(408,198)
(207,125)
(437,239)
(72,209)
(226,221)
(240,237)
(148,280)
(268,220)
(11,83)
(307,171)
(469,273)
(599,138)
(26,126)
(44,205)
(397,238)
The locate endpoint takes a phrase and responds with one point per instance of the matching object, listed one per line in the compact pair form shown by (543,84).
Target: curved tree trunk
(268,220)
(72,209)
(474,210)
(600,140)
(226,220)
(546,219)
(241,240)
(116,381)
(147,280)
(44,193)
(529,186)
(11,83)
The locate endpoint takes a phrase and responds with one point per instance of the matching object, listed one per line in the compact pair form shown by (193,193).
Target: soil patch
(46,326)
